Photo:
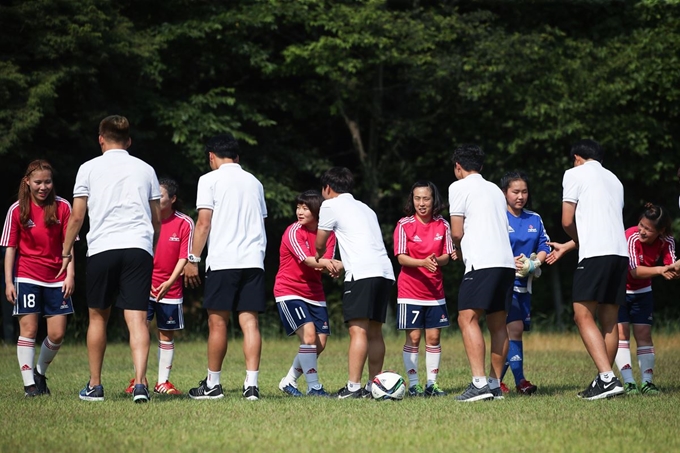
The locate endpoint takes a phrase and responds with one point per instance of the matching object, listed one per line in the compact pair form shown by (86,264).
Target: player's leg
(623,358)
(376,349)
(473,341)
(378,293)
(294,317)
(307,354)
(55,309)
(358,351)
(436,318)
(218,322)
(319,330)
(139,344)
(252,350)
(28,329)
(646,357)
(96,343)
(169,319)
(410,319)
(496,324)
(592,337)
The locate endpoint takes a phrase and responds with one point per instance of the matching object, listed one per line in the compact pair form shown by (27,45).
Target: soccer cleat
(497,393)
(630,388)
(416,390)
(649,388)
(434,390)
(131,387)
(288,388)
(167,388)
(202,392)
(599,389)
(504,388)
(140,394)
(95,393)
(366,393)
(345,393)
(41,383)
(31,390)
(318,392)
(251,393)
(472,394)
(526,388)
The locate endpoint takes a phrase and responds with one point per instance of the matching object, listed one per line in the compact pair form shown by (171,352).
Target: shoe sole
(251,398)
(350,396)
(528,392)
(496,398)
(140,399)
(206,397)
(483,397)
(91,398)
(610,394)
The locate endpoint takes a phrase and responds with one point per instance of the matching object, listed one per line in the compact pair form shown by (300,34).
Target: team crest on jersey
(438,237)
(30,224)
(174,238)
(532,229)
(417,239)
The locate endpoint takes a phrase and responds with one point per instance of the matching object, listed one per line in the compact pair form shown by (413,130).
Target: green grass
(552,420)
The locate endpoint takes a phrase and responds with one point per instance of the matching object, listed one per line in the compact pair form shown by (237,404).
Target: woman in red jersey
(33,234)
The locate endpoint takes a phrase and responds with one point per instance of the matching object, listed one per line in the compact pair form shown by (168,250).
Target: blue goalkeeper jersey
(527,236)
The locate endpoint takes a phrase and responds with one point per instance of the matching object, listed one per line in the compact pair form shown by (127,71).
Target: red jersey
(646,255)
(417,285)
(39,247)
(174,244)
(296,280)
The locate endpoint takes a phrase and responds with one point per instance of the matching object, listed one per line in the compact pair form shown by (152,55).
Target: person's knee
(413,337)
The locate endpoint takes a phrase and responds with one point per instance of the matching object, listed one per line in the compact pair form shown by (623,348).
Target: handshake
(529,266)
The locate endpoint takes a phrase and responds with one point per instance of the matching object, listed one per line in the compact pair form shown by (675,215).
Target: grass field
(552,420)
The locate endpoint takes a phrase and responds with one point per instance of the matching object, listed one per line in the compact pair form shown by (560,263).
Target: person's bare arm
(203,224)
(75,223)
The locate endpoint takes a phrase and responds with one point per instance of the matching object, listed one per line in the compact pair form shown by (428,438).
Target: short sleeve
(10,232)
(204,194)
(327,218)
(186,236)
(400,241)
(570,187)
(82,185)
(456,201)
(668,253)
(155,186)
(448,245)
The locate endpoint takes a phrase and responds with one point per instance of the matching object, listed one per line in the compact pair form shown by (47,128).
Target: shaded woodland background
(386,88)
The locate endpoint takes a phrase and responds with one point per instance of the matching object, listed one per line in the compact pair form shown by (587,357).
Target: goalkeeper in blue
(530,247)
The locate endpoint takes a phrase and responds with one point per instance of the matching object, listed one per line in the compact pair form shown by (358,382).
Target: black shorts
(367,298)
(486,289)
(121,276)
(601,279)
(235,290)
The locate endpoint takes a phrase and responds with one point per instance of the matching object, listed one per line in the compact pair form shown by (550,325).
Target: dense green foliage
(386,88)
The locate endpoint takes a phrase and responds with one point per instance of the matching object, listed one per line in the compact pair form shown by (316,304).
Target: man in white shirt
(122,195)
(592,205)
(479,228)
(369,275)
(231,213)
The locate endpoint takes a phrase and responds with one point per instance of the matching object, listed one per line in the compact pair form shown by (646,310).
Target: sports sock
(433,355)
(607,376)
(410,355)
(213,379)
(646,356)
(353,386)
(516,360)
(479,381)
(494,383)
(251,378)
(26,355)
(623,361)
(166,352)
(307,355)
(368,386)
(48,351)
(295,370)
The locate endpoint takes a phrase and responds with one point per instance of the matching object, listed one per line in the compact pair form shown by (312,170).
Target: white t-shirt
(118,188)
(486,240)
(360,240)
(598,195)
(237,238)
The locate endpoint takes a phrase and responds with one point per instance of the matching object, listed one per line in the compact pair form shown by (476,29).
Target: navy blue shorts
(235,290)
(295,313)
(410,316)
(486,289)
(168,316)
(49,301)
(638,309)
(520,309)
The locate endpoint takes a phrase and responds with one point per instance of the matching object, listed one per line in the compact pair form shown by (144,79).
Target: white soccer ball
(388,385)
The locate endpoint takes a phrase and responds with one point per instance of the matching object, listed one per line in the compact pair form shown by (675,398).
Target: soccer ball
(388,385)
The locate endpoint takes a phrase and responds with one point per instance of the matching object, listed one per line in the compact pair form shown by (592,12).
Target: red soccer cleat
(504,388)
(167,388)
(526,388)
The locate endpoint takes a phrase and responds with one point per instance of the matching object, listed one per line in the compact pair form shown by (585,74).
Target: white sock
(48,351)
(166,353)
(353,386)
(307,356)
(494,383)
(369,386)
(607,376)
(213,379)
(479,381)
(295,371)
(646,356)
(251,379)
(623,361)
(26,355)
(433,355)
(410,355)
